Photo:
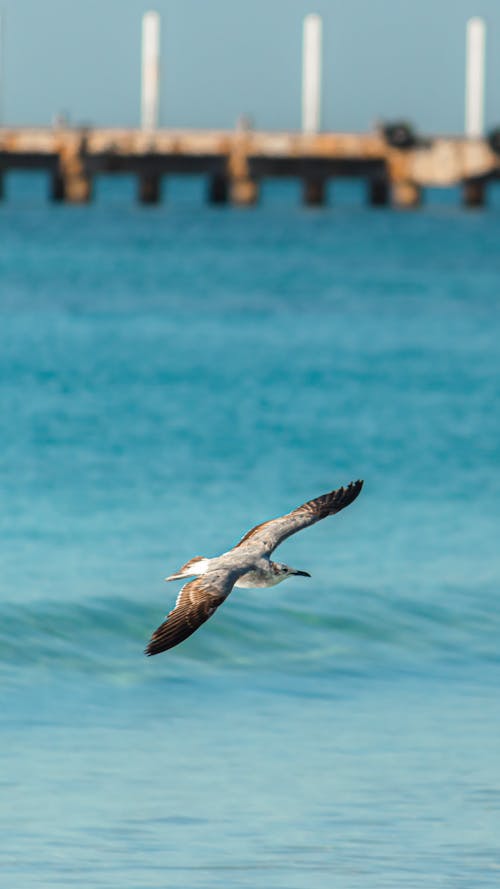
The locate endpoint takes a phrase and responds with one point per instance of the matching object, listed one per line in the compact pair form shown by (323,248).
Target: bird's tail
(196,566)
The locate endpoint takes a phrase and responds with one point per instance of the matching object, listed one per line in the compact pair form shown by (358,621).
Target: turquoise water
(169,377)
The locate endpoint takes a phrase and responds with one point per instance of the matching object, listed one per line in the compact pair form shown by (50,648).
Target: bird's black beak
(302,573)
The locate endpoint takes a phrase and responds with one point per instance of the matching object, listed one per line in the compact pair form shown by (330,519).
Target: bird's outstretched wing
(196,602)
(267,536)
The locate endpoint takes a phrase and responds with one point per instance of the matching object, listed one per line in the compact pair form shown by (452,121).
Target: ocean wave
(108,635)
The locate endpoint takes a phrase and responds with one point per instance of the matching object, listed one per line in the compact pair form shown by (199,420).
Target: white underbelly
(256,579)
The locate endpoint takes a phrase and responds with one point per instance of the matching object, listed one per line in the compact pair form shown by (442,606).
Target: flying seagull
(245,565)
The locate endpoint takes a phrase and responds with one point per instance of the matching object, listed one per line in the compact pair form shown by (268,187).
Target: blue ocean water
(169,377)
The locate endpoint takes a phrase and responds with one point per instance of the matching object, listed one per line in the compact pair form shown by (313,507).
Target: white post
(311,73)
(2,20)
(150,70)
(474,78)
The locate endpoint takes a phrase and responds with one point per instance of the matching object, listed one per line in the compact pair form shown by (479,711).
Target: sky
(383,60)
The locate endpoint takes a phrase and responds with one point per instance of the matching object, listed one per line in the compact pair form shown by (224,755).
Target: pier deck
(235,162)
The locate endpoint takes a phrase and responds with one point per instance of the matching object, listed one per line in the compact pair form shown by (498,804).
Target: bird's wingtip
(356,485)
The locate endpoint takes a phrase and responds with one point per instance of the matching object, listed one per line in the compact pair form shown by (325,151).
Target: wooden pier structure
(236,162)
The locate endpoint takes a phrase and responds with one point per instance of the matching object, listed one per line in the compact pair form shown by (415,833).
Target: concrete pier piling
(378,191)
(244,192)
(406,195)
(314,192)
(243,185)
(474,193)
(149,188)
(218,191)
(71,180)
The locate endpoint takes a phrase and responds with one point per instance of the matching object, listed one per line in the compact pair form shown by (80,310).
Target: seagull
(245,565)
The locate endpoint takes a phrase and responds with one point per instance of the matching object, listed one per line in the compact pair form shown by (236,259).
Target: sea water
(169,377)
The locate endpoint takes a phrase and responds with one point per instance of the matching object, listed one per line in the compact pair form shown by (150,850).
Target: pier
(396,163)
(397,168)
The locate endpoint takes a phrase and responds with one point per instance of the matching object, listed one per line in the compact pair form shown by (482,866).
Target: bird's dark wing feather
(267,536)
(196,602)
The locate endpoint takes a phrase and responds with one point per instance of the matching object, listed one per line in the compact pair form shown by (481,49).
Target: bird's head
(283,571)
